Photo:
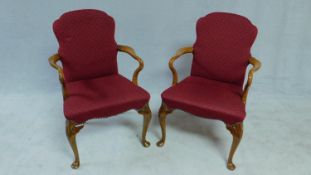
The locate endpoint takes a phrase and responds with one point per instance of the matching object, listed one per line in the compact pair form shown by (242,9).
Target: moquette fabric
(88,54)
(102,97)
(86,44)
(221,54)
(207,98)
(222,48)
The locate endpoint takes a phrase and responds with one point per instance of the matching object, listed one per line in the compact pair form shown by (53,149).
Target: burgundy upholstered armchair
(214,89)
(92,86)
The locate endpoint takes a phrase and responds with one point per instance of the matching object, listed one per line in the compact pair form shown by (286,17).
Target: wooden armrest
(256,66)
(53,62)
(256,63)
(131,52)
(179,53)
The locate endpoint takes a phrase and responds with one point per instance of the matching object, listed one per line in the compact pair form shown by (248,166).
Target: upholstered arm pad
(179,53)
(53,62)
(131,52)
(256,66)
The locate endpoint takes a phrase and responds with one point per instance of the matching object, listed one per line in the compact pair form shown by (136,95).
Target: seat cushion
(207,98)
(102,97)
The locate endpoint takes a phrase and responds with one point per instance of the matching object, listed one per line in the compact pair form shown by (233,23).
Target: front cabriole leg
(146,112)
(237,131)
(72,129)
(163,111)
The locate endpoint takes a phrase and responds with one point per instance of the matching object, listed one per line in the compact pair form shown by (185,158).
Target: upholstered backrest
(86,44)
(222,47)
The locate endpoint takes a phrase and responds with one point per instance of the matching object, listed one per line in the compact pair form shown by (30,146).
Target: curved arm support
(179,53)
(256,66)
(53,62)
(132,53)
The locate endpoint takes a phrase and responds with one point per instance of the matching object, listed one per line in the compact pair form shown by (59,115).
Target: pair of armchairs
(93,88)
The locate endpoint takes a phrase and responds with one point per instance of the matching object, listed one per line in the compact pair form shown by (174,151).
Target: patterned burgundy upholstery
(222,48)
(86,44)
(221,54)
(88,53)
(207,98)
(102,97)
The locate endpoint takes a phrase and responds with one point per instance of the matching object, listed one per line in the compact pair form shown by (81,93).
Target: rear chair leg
(237,131)
(163,111)
(146,112)
(72,129)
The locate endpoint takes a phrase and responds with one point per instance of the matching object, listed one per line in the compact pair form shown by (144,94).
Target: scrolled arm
(179,53)
(53,62)
(131,52)
(256,66)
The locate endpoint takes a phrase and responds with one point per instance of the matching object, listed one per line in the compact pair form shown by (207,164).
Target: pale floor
(277,140)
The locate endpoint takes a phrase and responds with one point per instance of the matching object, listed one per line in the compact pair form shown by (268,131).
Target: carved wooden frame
(235,129)
(73,128)
(131,52)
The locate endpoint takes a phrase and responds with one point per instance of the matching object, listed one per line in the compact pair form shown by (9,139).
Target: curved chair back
(86,44)
(222,47)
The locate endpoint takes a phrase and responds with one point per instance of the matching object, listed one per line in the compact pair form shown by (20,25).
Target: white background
(277,134)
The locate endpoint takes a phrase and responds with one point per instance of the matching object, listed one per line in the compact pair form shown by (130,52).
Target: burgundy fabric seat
(102,97)
(214,90)
(88,53)
(91,83)
(207,98)
(221,55)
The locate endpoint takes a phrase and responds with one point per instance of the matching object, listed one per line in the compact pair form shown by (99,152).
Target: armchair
(214,90)
(92,87)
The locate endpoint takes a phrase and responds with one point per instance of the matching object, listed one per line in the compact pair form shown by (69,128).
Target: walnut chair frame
(73,128)
(235,129)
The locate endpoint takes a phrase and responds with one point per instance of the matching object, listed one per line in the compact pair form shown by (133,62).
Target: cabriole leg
(146,112)
(163,111)
(72,129)
(237,131)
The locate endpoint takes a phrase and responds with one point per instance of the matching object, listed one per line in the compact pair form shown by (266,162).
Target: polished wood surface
(179,53)
(237,132)
(235,129)
(256,66)
(53,62)
(163,111)
(146,112)
(131,51)
(73,128)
